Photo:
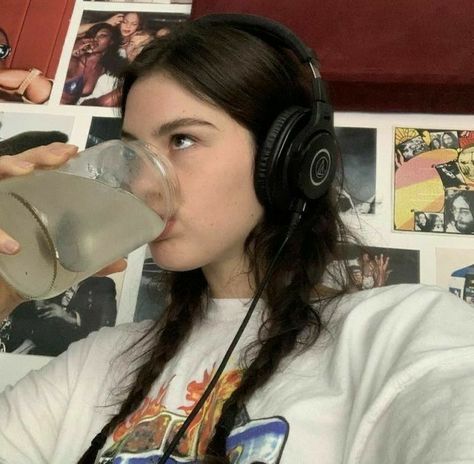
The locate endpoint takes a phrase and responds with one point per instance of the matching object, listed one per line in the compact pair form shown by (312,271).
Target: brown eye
(181,141)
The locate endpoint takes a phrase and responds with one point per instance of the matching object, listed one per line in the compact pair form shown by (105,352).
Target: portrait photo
(27,71)
(48,327)
(371,267)
(104,44)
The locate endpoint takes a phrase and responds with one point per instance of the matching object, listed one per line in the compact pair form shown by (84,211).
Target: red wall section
(36,30)
(398,55)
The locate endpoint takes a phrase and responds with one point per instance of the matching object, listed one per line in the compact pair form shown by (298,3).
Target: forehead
(103,32)
(158,98)
(131,17)
(461,202)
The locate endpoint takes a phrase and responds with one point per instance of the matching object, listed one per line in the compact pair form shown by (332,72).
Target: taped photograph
(358,150)
(27,70)
(105,42)
(455,271)
(371,267)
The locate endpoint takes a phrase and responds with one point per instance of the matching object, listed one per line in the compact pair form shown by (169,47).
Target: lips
(166,231)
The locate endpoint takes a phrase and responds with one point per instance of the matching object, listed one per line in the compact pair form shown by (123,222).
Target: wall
(432,257)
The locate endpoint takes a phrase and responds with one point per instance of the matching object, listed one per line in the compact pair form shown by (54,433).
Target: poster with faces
(434,178)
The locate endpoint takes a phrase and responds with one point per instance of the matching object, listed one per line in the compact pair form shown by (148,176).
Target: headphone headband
(298,157)
(276,33)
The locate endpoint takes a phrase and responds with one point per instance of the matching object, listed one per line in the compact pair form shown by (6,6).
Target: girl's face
(102,40)
(213,157)
(129,25)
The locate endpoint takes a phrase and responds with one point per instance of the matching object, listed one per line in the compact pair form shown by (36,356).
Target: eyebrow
(171,126)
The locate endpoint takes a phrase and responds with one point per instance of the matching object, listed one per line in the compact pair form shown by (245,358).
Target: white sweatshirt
(391,382)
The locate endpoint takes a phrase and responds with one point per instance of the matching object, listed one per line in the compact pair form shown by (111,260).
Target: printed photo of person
(466,163)
(459,211)
(449,140)
(105,43)
(371,267)
(48,327)
(408,149)
(358,150)
(21,85)
(429,222)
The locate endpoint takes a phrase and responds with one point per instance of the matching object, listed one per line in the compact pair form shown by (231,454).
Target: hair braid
(170,332)
(281,337)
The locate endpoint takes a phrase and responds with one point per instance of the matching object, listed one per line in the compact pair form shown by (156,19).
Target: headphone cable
(300,206)
(99,440)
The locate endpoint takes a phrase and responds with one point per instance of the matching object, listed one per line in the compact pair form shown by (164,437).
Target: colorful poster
(434,180)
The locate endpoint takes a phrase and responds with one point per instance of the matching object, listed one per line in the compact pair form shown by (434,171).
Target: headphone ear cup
(270,166)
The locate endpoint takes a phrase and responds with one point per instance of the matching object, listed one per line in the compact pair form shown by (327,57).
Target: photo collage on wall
(67,92)
(72,98)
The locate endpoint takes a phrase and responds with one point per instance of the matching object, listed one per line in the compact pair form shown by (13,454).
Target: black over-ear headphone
(297,160)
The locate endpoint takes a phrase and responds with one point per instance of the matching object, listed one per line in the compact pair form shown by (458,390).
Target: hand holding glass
(73,221)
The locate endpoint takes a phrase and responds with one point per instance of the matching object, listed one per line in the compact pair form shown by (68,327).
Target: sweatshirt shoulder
(405,323)
(403,299)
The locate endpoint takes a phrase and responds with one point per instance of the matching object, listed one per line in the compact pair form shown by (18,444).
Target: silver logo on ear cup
(320,167)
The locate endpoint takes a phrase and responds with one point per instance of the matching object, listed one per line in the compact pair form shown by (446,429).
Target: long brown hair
(252,81)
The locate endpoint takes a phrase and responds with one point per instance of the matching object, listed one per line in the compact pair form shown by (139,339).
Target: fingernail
(10,247)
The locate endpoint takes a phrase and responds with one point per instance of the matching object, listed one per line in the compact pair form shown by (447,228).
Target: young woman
(94,61)
(382,376)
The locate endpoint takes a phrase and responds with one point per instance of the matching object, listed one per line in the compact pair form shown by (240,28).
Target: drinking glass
(74,220)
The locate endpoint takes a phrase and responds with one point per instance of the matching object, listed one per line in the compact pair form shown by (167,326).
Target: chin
(172,260)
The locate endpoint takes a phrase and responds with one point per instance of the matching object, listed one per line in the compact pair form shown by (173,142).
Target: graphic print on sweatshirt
(144,436)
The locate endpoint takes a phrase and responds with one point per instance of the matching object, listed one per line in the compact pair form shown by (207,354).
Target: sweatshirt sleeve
(33,412)
(430,421)
(418,396)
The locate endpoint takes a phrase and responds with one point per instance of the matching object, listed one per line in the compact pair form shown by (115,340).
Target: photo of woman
(21,85)
(105,43)
(95,64)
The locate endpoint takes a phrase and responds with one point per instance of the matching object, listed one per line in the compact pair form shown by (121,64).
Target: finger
(49,156)
(117,266)
(8,245)
(13,166)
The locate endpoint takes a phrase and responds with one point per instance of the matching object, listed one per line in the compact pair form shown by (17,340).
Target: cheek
(226,208)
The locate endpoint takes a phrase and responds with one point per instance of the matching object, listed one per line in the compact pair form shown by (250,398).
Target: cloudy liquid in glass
(69,227)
